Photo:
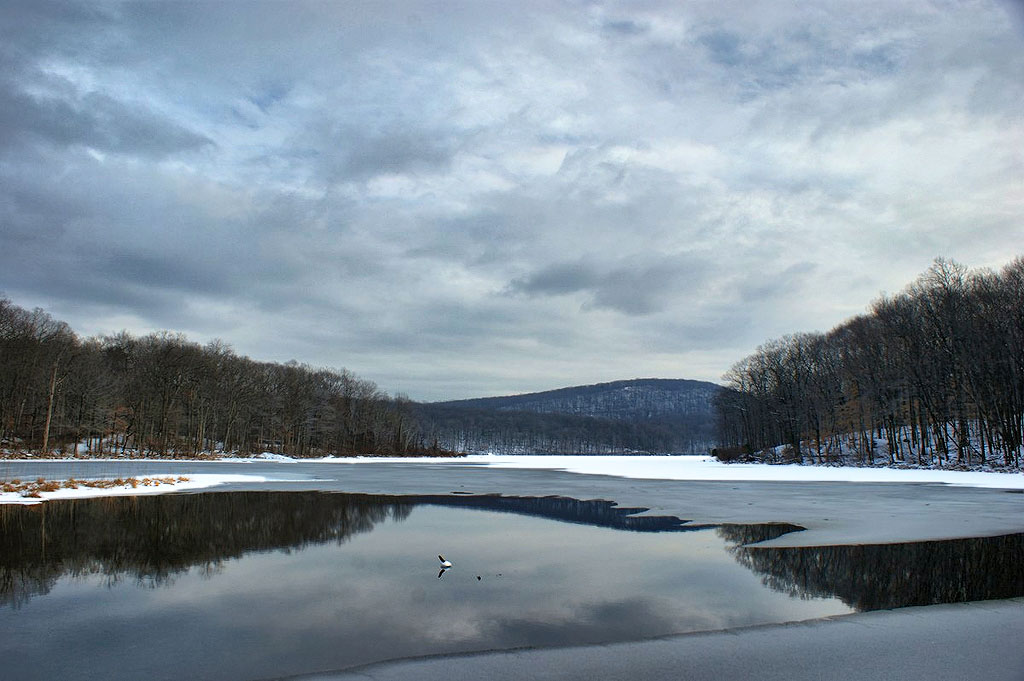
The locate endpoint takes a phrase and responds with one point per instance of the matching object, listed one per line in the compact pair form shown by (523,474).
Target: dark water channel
(254,585)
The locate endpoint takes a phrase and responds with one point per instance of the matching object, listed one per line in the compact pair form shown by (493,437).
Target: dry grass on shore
(34,489)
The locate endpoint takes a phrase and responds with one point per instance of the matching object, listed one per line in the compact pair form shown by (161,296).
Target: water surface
(263,584)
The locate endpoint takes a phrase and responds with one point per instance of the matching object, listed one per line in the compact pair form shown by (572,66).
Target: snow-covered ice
(710,468)
(195,481)
(705,468)
(267,456)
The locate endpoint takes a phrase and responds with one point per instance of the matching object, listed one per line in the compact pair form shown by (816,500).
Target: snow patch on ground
(267,456)
(710,468)
(195,481)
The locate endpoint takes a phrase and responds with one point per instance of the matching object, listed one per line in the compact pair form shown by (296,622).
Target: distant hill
(639,399)
(655,415)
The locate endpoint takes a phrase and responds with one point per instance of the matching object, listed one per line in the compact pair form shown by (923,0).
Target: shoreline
(832,512)
(656,467)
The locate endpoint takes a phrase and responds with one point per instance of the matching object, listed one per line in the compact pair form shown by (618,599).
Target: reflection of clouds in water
(323,591)
(555,586)
(304,584)
(561,591)
(585,622)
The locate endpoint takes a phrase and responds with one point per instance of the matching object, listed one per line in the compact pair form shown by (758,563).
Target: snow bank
(265,456)
(710,468)
(195,481)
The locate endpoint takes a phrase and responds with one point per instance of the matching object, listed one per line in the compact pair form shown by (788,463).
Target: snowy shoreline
(708,468)
(676,468)
(194,482)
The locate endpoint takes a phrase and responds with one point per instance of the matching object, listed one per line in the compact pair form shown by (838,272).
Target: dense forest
(525,432)
(646,415)
(163,394)
(637,399)
(933,375)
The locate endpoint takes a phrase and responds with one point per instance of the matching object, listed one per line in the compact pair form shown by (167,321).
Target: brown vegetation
(35,488)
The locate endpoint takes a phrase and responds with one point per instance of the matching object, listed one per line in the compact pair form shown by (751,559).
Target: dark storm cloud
(29,215)
(32,26)
(485,238)
(624,27)
(105,236)
(557,279)
(93,120)
(632,287)
(90,288)
(153,271)
(724,47)
(352,154)
(760,287)
(38,104)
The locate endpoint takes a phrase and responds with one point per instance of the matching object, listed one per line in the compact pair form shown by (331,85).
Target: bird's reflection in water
(446,565)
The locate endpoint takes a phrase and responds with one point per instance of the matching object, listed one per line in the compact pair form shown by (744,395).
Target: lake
(250,585)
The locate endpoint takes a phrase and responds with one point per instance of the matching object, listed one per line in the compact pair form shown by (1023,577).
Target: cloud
(557,279)
(93,120)
(725,47)
(761,287)
(354,154)
(476,199)
(624,27)
(632,286)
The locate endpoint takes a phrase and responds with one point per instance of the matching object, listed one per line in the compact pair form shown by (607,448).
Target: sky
(461,199)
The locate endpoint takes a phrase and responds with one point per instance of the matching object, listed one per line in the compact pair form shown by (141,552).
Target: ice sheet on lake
(709,468)
(638,467)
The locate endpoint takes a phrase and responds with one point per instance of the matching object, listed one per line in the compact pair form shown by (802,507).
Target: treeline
(934,375)
(463,428)
(165,395)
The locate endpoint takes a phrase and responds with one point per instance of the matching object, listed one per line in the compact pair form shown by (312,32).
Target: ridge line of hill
(629,382)
(640,415)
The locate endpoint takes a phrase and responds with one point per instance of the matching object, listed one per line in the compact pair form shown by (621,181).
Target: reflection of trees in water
(748,534)
(596,512)
(881,576)
(151,539)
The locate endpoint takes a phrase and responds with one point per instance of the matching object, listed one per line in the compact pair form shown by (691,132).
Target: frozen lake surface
(836,505)
(252,585)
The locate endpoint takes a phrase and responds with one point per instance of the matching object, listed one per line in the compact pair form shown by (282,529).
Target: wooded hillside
(932,375)
(648,415)
(165,395)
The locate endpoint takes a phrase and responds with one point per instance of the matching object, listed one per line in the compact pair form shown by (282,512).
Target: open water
(254,585)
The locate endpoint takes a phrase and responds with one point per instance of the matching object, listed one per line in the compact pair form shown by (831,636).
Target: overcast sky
(479,198)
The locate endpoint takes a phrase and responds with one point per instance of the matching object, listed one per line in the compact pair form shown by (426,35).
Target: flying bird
(445,565)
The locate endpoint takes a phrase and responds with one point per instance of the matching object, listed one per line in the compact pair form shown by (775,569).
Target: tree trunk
(49,408)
